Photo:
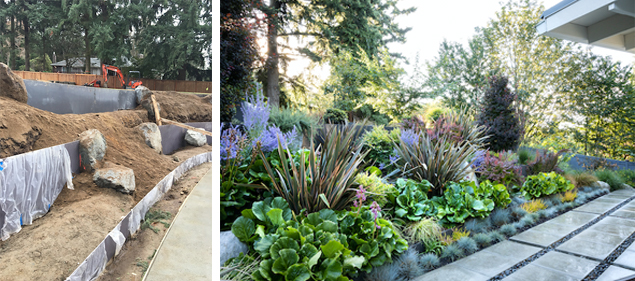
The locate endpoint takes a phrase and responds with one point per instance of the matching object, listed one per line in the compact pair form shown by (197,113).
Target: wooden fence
(113,82)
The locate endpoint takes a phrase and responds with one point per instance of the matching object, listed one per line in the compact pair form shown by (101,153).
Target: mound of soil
(184,108)
(55,244)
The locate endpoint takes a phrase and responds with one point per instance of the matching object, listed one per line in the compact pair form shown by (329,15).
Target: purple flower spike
(255,114)
(361,193)
(375,209)
(410,137)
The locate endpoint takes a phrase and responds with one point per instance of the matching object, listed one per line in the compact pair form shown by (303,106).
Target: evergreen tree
(500,116)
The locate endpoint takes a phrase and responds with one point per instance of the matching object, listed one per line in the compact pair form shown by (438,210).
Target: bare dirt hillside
(55,244)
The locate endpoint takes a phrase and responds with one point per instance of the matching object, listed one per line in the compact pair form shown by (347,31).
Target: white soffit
(605,23)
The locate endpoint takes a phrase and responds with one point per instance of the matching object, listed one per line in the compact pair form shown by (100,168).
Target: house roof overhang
(604,23)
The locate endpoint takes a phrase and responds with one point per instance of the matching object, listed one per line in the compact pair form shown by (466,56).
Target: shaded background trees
(163,39)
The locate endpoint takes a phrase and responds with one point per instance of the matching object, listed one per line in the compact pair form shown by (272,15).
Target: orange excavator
(105,69)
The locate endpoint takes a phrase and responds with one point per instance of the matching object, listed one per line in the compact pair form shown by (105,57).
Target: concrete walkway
(186,251)
(571,260)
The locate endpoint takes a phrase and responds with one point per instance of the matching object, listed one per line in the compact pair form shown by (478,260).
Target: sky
(453,20)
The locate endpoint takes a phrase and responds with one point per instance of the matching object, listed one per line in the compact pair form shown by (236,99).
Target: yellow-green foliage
(568,196)
(533,206)
(460,233)
(425,229)
(375,187)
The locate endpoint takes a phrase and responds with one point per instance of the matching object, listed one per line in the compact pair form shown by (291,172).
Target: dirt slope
(52,247)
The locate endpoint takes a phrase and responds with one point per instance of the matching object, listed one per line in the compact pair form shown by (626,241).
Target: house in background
(77,66)
(604,23)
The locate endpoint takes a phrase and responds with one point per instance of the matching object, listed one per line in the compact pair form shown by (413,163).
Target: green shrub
(433,114)
(323,245)
(545,184)
(628,176)
(501,116)
(376,188)
(379,144)
(327,180)
(286,119)
(335,116)
(433,246)
(265,216)
(611,177)
(497,192)
(524,156)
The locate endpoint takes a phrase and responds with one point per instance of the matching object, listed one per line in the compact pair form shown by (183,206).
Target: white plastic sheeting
(29,184)
(95,263)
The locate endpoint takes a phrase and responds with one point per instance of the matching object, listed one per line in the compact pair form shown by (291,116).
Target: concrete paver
(572,260)
(590,249)
(571,265)
(533,272)
(614,273)
(186,252)
(536,237)
(452,273)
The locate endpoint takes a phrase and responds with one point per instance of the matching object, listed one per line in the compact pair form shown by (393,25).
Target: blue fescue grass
(496,237)
(467,244)
(477,225)
(452,252)
(508,230)
(388,271)
(500,217)
(482,239)
(409,265)
(429,261)
(518,212)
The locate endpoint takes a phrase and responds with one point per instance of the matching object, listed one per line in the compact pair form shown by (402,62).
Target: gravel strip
(600,268)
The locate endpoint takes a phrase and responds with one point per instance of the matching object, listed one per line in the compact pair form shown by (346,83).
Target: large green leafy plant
(412,202)
(460,201)
(325,245)
(545,184)
(322,179)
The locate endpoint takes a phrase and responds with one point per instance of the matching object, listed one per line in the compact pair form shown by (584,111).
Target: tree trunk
(88,55)
(273,76)
(27,53)
(12,47)
(182,73)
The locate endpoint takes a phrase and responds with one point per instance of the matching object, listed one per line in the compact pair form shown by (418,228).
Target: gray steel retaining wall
(63,99)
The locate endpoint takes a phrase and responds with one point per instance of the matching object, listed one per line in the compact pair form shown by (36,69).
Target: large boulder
(147,105)
(11,85)
(602,185)
(152,135)
(92,148)
(116,177)
(195,138)
(231,246)
(142,93)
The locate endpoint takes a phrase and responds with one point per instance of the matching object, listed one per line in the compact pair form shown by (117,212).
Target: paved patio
(572,260)
(186,251)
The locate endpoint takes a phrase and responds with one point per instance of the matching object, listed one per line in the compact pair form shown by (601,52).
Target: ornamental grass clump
(439,156)
(508,230)
(425,229)
(409,264)
(326,180)
(496,236)
(533,206)
(428,261)
(500,217)
(568,196)
(478,225)
(452,252)
(467,244)
(611,177)
(482,239)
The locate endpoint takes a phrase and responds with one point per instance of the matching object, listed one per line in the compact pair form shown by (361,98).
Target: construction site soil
(54,245)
